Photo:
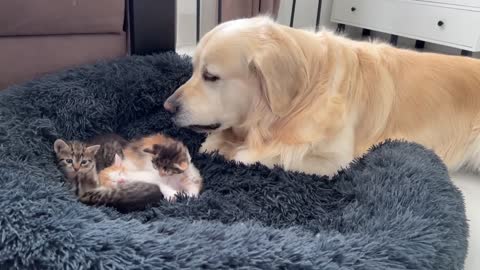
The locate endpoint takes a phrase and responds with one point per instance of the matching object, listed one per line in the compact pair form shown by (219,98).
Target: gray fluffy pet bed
(395,208)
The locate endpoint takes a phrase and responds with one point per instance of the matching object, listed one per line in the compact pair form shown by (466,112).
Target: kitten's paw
(169,194)
(170,198)
(193,194)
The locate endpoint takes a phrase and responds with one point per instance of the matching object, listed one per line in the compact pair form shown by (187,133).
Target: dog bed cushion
(394,208)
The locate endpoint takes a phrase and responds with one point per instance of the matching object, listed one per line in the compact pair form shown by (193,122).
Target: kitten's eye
(69,161)
(84,162)
(207,76)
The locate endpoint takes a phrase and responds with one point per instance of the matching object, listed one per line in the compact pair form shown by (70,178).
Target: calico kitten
(174,165)
(169,158)
(77,162)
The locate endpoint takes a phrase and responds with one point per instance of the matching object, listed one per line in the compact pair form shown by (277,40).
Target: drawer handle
(353,9)
(440,23)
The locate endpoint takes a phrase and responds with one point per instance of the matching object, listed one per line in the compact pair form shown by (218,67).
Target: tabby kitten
(77,162)
(110,145)
(81,162)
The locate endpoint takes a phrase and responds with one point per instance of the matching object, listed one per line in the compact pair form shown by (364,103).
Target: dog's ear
(281,68)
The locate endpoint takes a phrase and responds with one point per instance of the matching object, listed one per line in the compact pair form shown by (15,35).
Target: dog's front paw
(244,156)
(209,147)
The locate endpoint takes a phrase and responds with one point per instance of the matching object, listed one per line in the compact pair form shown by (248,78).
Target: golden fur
(313,101)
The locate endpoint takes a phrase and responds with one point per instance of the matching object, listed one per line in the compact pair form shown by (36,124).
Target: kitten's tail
(126,197)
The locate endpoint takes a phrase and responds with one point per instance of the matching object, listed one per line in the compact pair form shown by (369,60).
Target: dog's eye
(207,76)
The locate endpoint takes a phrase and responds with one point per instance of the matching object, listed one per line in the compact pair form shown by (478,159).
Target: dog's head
(238,67)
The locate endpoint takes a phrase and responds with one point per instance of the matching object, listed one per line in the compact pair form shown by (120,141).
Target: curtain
(235,9)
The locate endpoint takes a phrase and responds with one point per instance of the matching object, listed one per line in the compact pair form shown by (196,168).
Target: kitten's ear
(181,166)
(157,148)
(59,145)
(148,150)
(93,149)
(118,161)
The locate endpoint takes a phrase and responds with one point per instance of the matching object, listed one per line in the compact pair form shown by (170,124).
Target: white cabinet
(435,21)
(468,3)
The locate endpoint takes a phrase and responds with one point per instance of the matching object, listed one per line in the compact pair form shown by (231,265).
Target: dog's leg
(245,156)
(323,158)
(249,157)
(322,165)
(319,165)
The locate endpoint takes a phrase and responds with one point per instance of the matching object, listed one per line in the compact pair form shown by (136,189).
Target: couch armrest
(152,26)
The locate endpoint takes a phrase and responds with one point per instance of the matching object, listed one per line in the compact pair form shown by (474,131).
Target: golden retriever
(312,102)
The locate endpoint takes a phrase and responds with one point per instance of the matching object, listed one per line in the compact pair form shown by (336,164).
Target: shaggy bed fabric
(395,208)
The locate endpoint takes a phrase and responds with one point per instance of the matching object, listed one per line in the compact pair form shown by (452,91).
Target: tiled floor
(470,187)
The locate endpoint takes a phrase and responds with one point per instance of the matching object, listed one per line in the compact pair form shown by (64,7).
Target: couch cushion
(27,57)
(43,17)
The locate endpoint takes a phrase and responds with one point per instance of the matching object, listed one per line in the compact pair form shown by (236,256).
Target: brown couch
(43,36)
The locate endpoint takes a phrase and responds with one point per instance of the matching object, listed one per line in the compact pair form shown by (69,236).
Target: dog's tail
(126,197)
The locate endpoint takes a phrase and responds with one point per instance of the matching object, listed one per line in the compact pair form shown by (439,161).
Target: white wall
(186,20)
(186,24)
(305,15)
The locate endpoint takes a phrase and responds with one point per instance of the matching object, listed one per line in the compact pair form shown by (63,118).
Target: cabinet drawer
(467,3)
(411,19)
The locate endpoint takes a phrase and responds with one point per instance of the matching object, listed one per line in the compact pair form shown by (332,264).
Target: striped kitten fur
(110,145)
(130,196)
(77,162)
(81,161)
